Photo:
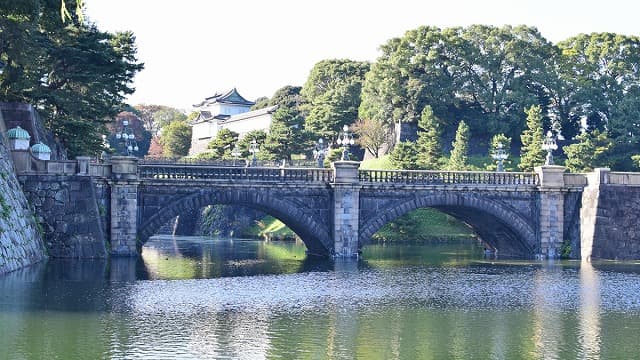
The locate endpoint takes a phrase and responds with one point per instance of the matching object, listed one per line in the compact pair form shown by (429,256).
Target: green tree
(75,74)
(286,135)
(597,70)
(404,156)
(429,133)
(589,152)
(371,135)
(460,151)
(176,139)
(332,92)
(479,74)
(222,145)
(531,153)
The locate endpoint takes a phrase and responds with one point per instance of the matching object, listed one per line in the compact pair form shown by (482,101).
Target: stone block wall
(20,240)
(72,218)
(610,222)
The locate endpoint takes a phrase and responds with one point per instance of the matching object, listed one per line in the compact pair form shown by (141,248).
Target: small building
(226,111)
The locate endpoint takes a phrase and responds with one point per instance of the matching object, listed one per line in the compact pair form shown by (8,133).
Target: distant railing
(227,162)
(200,172)
(427,177)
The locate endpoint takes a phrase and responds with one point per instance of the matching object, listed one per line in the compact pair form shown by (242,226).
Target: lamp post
(254,149)
(128,140)
(548,145)
(500,155)
(320,152)
(235,152)
(345,139)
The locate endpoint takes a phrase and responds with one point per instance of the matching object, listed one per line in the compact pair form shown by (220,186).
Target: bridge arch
(496,223)
(314,233)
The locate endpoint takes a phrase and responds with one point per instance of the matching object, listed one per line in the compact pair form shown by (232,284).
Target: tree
(597,70)
(371,135)
(480,74)
(332,92)
(459,153)
(222,145)
(286,134)
(589,152)
(77,75)
(155,148)
(531,153)
(156,117)
(404,156)
(176,139)
(428,143)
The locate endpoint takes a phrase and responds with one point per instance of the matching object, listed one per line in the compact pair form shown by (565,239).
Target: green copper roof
(18,133)
(40,148)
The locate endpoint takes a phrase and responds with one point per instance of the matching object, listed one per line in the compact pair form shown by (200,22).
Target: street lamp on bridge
(548,145)
(500,155)
(254,148)
(320,152)
(345,139)
(235,152)
(128,140)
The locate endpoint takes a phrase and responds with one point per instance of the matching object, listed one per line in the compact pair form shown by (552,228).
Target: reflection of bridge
(336,211)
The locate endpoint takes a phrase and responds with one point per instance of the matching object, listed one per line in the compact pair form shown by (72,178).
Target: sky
(194,48)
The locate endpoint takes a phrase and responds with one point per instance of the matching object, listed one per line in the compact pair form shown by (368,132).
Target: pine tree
(531,153)
(428,143)
(458,159)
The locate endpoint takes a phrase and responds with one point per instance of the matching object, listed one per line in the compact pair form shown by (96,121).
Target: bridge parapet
(429,177)
(225,173)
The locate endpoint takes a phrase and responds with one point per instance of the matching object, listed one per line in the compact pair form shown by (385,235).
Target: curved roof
(40,148)
(230,97)
(18,133)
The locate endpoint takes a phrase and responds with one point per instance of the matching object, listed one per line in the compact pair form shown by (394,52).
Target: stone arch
(496,223)
(313,232)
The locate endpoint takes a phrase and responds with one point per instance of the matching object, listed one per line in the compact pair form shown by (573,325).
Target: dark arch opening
(315,235)
(496,225)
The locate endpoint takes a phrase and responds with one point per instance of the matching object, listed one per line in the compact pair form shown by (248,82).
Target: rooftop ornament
(345,140)
(548,145)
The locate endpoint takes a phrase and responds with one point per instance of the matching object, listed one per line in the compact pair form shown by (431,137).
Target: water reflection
(229,298)
(589,311)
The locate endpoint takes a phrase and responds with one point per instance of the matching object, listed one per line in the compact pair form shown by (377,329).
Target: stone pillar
(124,205)
(551,207)
(83,165)
(589,210)
(346,209)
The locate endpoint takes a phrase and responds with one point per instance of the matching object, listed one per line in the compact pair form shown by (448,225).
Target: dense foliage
(74,74)
(487,76)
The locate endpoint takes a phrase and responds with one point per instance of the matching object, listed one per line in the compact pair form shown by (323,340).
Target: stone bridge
(336,211)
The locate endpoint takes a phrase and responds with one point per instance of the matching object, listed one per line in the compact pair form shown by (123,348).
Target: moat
(201,298)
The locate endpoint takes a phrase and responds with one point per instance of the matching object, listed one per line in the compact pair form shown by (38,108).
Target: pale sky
(194,48)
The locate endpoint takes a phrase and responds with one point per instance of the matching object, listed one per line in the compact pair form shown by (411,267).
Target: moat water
(200,298)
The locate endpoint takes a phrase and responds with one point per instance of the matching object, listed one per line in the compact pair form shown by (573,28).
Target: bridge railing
(428,177)
(199,172)
(241,162)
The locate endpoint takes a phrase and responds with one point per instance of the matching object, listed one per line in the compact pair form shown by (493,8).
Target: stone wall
(609,216)
(72,218)
(20,241)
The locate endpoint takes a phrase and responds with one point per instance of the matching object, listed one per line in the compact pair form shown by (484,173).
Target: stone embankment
(20,239)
